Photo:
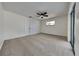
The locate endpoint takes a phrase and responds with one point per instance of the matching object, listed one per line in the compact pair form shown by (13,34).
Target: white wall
(77,37)
(1,25)
(14,25)
(1,20)
(17,25)
(60,28)
(77,22)
(77,30)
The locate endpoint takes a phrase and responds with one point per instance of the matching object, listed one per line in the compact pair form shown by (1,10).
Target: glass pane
(50,23)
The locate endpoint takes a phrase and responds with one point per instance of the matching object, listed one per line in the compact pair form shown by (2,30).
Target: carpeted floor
(37,45)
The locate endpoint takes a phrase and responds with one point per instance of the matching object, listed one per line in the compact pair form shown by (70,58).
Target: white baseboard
(8,37)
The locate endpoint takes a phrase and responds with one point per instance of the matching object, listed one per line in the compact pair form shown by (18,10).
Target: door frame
(72,30)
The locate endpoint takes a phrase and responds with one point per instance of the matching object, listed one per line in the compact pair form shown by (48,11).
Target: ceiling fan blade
(45,13)
(38,13)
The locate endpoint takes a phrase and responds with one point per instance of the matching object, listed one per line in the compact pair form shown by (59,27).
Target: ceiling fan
(42,14)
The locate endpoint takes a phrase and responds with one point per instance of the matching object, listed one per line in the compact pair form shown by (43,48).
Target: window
(50,23)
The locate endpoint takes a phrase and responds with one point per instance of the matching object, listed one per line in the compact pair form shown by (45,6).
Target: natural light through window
(50,22)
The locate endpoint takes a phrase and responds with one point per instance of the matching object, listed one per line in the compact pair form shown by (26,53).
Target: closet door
(33,26)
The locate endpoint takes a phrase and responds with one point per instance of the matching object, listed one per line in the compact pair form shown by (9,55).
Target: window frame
(50,23)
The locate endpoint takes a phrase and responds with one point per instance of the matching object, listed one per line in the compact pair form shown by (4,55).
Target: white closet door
(34,26)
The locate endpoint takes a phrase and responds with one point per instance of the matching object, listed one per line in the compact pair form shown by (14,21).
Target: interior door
(33,26)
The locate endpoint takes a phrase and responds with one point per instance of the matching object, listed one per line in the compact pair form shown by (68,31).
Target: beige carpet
(37,45)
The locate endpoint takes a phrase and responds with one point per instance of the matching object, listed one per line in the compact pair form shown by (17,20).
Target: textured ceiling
(30,8)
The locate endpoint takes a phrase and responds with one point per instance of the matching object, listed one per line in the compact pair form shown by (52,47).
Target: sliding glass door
(72,34)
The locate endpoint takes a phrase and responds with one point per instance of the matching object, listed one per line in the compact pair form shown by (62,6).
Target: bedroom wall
(17,25)
(60,28)
(1,20)
(77,30)
(14,25)
(77,37)
(1,25)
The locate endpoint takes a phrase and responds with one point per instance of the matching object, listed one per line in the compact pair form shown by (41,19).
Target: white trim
(15,36)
